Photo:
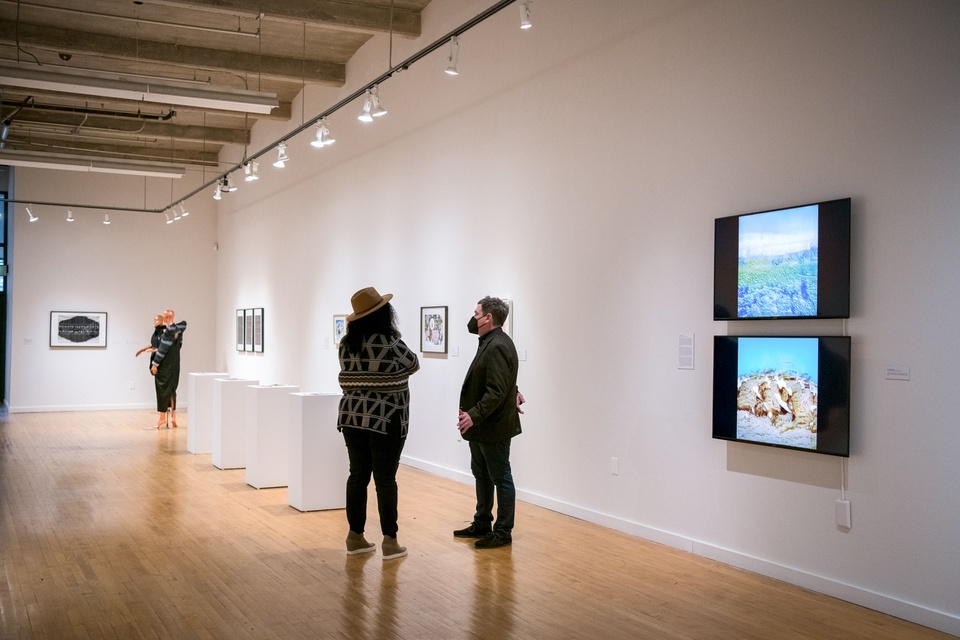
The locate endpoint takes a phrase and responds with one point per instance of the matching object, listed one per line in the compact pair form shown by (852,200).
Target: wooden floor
(108,530)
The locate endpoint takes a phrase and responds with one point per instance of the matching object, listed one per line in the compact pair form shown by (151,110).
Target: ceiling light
(68,162)
(33,218)
(176,214)
(250,171)
(226,186)
(367,106)
(69,215)
(106,218)
(170,220)
(281,156)
(452,57)
(183,211)
(323,137)
(525,15)
(109,85)
(377,109)
(216,193)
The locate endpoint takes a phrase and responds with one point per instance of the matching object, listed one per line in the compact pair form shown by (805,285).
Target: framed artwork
(248,329)
(433,329)
(258,330)
(339,328)
(508,325)
(78,329)
(240,330)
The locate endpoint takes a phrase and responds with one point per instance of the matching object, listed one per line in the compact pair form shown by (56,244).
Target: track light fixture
(453,56)
(33,218)
(281,156)
(525,15)
(176,214)
(216,192)
(226,186)
(106,218)
(371,105)
(69,215)
(250,171)
(183,212)
(323,137)
(169,219)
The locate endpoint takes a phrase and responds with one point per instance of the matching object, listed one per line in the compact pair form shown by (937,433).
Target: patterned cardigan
(374,383)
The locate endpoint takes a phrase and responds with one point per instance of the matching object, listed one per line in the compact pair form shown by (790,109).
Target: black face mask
(472,326)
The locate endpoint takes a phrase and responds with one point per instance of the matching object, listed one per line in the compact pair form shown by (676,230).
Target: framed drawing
(433,329)
(78,329)
(508,325)
(248,329)
(240,330)
(258,330)
(339,329)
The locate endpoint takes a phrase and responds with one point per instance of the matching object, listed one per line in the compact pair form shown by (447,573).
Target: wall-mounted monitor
(791,392)
(784,263)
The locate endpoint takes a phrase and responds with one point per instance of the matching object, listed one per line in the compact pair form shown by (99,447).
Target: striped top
(374,383)
(170,335)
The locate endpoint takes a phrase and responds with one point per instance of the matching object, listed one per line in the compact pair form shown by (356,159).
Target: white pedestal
(318,457)
(200,409)
(268,435)
(229,420)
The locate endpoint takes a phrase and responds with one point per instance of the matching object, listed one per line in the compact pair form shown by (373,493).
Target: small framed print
(508,323)
(433,329)
(258,330)
(248,329)
(241,346)
(78,329)
(339,328)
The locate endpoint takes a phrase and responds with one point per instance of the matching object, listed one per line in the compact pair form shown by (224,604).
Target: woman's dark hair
(383,321)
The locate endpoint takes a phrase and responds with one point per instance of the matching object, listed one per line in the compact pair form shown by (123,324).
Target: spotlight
(452,58)
(281,156)
(216,192)
(169,219)
(69,215)
(106,218)
(250,171)
(183,212)
(226,186)
(377,109)
(33,218)
(365,115)
(323,137)
(176,216)
(525,15)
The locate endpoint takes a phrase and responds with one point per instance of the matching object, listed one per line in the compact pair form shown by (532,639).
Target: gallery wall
(577,169)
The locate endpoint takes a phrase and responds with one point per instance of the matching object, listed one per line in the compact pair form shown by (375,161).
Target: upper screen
(785,263)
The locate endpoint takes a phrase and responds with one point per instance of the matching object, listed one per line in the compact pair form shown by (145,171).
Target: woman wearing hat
(375,365)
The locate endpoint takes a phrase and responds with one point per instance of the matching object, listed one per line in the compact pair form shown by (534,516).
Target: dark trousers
(376,454)
(490,463)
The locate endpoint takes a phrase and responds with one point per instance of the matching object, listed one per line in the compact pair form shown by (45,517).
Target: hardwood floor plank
(109,530)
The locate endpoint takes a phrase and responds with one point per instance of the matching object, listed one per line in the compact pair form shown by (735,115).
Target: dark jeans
(490,463)
(377,454)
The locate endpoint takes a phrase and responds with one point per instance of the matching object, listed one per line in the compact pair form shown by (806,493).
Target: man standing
(488,419)
(165,365)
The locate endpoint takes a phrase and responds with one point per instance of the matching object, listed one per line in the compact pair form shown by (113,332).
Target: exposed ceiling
(270,46)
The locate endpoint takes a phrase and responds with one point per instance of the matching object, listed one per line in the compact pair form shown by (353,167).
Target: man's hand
(153,369)
(464,421)
(520,401)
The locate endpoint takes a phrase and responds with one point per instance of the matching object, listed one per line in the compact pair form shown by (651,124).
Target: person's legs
(385,450)
(497,457)
(483,518)
(361,466)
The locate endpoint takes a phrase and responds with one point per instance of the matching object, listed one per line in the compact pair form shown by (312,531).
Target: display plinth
(268,435)
(318,457)
(200,407)
(229,420)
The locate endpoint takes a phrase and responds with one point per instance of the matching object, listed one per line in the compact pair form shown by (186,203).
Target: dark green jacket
(489,392)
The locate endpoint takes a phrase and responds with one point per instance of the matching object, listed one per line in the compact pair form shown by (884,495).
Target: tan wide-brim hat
(366,301)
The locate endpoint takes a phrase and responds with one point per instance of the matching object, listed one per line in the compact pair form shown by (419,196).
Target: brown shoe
(356,543)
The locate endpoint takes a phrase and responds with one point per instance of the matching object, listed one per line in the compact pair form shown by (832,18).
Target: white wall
(132,269)
(577,168)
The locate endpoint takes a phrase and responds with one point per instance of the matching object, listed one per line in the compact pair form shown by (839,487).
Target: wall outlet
(614,466)
(843,513)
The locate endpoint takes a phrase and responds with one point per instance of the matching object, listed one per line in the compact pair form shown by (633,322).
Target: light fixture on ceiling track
(525,15)
(176,214)
(217,192)
(183,212)
(250,171)
(33,218)
(226,185)
(323,137)
(106,218)
(69,215)
(281,156)
(371,105)
(453,56)
(169,219)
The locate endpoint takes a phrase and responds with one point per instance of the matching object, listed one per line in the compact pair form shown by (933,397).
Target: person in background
(373,416)
(488,419)
(158,328)
(165,365)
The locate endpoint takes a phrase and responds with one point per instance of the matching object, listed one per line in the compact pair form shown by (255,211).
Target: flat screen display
(784,263)
(791,392)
